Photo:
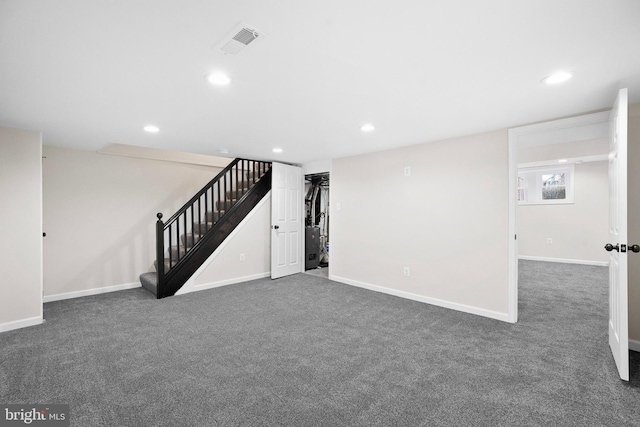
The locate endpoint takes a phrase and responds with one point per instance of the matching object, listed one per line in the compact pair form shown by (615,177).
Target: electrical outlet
(407,272)
(549,241)
(407,171)
(241,257)
(338,206)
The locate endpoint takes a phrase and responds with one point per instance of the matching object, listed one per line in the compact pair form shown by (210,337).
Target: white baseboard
(634,345)
(565,261)
(22,323)
(94,291)
(428,300)
(235,280)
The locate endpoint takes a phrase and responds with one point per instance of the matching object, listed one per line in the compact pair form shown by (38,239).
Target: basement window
(546,185)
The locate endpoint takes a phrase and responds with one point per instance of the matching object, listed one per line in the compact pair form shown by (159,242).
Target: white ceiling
(89,73)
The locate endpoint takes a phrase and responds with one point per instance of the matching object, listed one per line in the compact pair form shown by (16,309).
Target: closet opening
(317,223)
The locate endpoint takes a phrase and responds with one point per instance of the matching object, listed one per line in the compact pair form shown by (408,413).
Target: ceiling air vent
(238,38)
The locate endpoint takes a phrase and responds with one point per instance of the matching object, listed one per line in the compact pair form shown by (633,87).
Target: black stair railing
(183,234)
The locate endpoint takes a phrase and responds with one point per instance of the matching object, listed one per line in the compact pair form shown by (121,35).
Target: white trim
(570,160)
(88,292)
(19,324)
(512,287)
(190,285)
(41,232)
(634,345)
(584,127)
(226,282)
(565,261)
(428,300)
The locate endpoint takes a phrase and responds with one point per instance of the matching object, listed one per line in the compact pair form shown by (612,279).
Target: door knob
(609,247)
(634,248)
(275,227)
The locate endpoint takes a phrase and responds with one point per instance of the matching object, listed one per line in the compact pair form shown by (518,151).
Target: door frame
(583,127)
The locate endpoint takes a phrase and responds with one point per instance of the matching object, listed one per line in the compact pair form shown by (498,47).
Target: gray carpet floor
(320,272)
(306,351)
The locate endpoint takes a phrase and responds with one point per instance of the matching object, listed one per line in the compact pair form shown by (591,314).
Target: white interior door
(286,220)
(617,247)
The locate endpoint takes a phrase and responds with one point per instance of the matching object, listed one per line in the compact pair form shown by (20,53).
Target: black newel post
(160,255)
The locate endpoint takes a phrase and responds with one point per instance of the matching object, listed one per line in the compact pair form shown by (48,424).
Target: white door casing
(618,278)
(286,220)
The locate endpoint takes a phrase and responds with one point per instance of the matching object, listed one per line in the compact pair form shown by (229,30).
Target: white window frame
(531,192)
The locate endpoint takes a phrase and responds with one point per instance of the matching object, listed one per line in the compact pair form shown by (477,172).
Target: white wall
(447,222)
(578,230)
(252,240)
(317,167)
(20,228)
(99,216)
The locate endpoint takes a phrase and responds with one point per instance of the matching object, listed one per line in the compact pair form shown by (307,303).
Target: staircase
(195,231)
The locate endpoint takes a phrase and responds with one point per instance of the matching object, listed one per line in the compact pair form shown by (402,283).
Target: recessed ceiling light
(562,161)
(218,78)
(367,127)
(151,129)
(277,150)
(555,78)
(223,151)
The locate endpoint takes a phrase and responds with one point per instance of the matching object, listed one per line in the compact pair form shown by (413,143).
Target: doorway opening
(561,133)
(563,198)
(317,224)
